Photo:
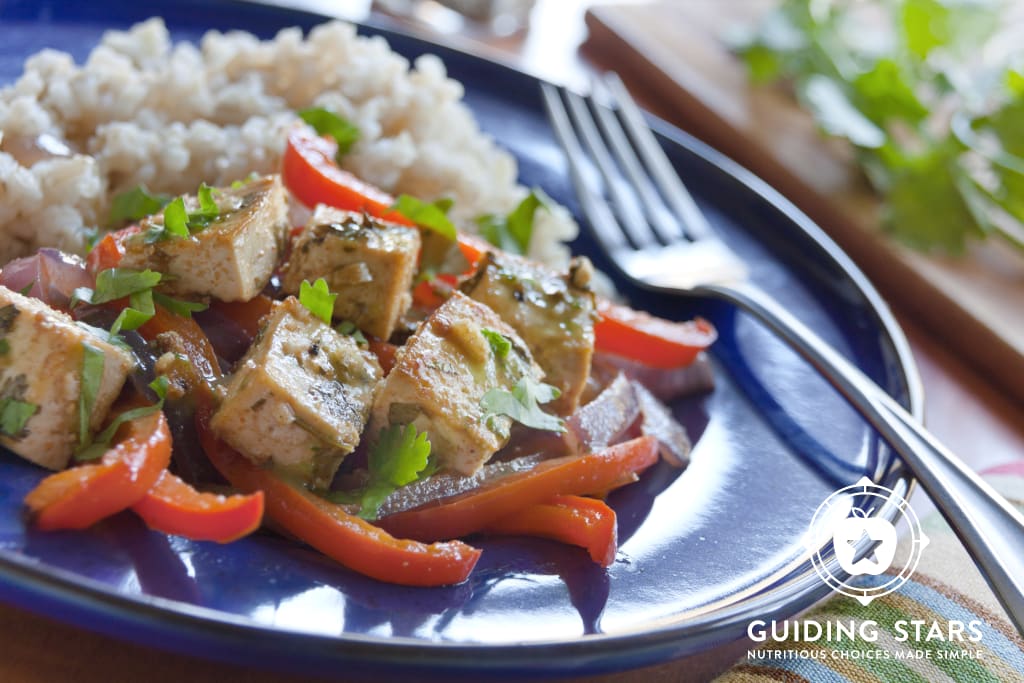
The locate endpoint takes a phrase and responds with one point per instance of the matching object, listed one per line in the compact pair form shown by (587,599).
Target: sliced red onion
(50,276)
(604,420)
(656,420)
(445,485)
(666,385)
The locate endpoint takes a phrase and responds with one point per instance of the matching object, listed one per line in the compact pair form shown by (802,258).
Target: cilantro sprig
(91,376)
(318,299)
(430,215)
(135,204)
(326,122)
(178,222)
(513,232)
(137,285)
(522,404)
(499,343)
(400,457)
(935,130)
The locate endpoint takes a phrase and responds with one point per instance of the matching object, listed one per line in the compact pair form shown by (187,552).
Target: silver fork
(658,238)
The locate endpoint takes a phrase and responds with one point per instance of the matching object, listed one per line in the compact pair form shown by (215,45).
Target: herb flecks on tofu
(14,410)
(300,396)
(441,376)
(368,263)
(226,243)
(41,380)
(553,313)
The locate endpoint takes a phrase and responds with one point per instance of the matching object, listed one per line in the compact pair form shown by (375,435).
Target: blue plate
(702,552)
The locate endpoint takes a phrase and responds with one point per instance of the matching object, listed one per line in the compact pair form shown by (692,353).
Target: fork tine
(594,208)
(654,157)
(667,228)
(632,220)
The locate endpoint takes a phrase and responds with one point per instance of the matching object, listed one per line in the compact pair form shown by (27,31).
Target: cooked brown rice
(144,110)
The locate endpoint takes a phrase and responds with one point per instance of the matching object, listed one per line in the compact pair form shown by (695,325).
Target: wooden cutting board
(675,50)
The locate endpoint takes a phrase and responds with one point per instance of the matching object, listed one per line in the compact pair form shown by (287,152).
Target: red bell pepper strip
(311,174)
(571,475)
(174,507)
(385,352)
(653,341)
(585,522)
(430,294)
(345,538)
(108,252)
(327,527)
(473,249)
(77,498)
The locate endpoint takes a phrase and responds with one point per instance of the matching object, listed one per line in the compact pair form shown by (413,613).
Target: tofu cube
(553,312)
(440,377)
(231,259)
(41,352)
(369,263)
(300,396)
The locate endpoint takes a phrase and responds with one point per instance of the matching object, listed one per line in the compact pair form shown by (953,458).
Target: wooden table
(964,410)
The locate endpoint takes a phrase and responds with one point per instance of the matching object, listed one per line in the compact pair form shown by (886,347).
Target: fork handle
(990,528)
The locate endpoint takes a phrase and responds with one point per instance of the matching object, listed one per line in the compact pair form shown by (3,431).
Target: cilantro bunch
(933,118)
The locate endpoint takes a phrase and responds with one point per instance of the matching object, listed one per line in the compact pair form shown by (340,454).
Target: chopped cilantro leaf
(135,204)
(93,448)
(318,299)
(101,444)
(185,309)
(139,310)
(325,122)
(5,347)
(117,283)
(176,219)
(179,222)
(522,404)
(160,386)
(500,344)
(349,328)
(207,205)
(24,291)
(14,416)
(513,232)
(400,456)
(91,376)
(429,215)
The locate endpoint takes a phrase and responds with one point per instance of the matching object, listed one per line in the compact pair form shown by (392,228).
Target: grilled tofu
(440,377)
(231,259)
(554,313)
(41,352)
(300,397)
(369,263)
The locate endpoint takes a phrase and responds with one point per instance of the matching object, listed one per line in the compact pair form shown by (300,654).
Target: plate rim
(198,630)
